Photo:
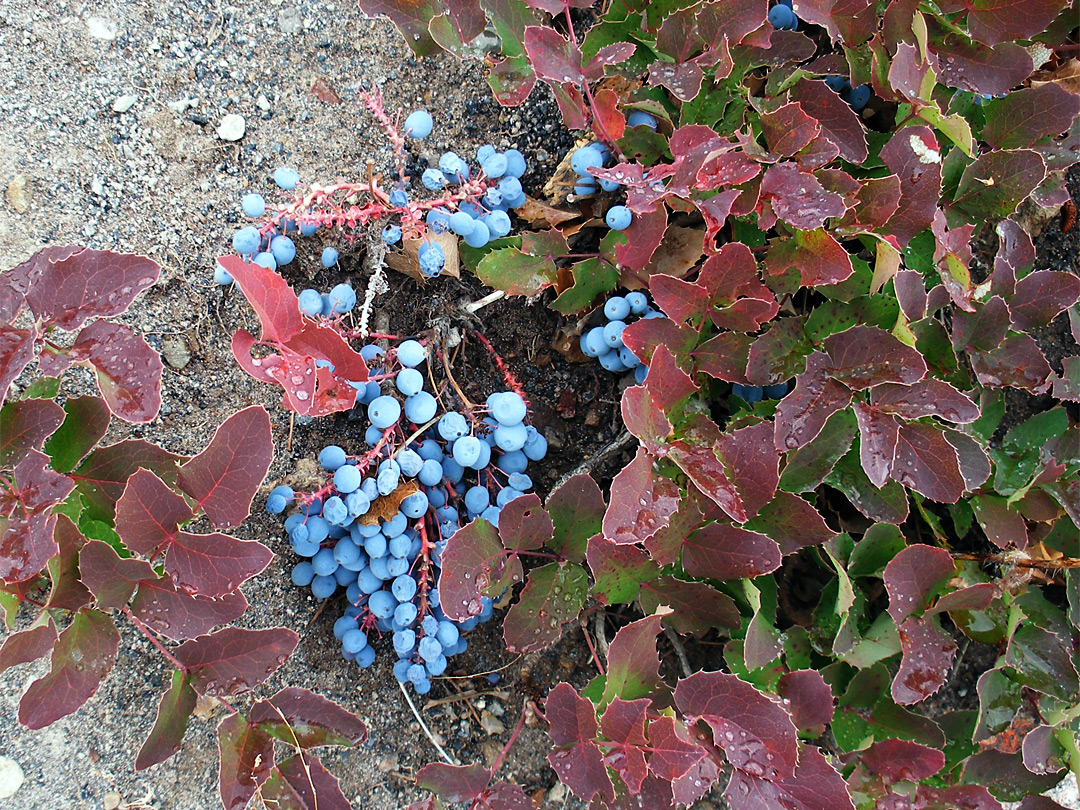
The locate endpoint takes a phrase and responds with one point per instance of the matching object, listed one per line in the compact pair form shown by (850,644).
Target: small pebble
(176,353)
(124,103)
(232,127)
(18,193)
(182,105)
(11,777)
(101,28)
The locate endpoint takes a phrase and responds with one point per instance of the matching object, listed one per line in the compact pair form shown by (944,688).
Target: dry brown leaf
(408,263)
(386,507)
(680,249)
(324,92)
(1067,74)
(538,214)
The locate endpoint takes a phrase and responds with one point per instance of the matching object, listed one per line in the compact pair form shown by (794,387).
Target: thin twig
(427,731)
(680,651)
(601,634)
(588,464)
(490,298)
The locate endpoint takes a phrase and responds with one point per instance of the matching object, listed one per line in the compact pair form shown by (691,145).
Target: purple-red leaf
(269,295)
(779,354)
(173,714)
(300,717)
(642,501)
(682,79)
(667,384)
(878,436)
(102,477)
(302,782)
(224,477)
(127,370)
(816,255)
(682,301)
(928,653)
(912,155)
(798,197)
(643,336)
(1026,115)
(815,786)
(24,426)
(839,123)
(83,655)
(1040,296)
(928,397)
(997,182)
(454,783)
(807,698)
(898,760)
(752,465)
(724,551)
(755,733)
(28,645)
(68,591)
(623,722)
(697,606)
(553,595)
(802,414)
(788,129)
(474,564)
(149,513)
(111,580)
(1002,525)
(524,524)
(792,523)
(16,352)
(89,284)
(235,660)
(246,755)
(643,237)
(578,763)
(214,564)
(644,418)
(971,66)
(913,576)
(994,21)
(864,356)
(928,464)
(178,615)
(725,356)
(553,57)
(672,756)
(1018,362)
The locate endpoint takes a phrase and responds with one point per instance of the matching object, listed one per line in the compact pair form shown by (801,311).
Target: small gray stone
(290,21)
(175,352)
(232,127)
(11,777)
(124,103)
(102,28)
(18,193)
(182,105)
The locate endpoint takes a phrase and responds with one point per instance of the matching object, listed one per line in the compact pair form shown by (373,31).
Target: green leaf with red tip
(577,513)
(791,522)
(633,662)
(553,595)
(245,756)
(618,571)
(171,724)
(302,782)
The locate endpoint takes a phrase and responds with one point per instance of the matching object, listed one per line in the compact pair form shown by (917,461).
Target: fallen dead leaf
(408,263)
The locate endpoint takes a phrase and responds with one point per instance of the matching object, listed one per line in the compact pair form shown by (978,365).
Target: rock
(112,800)
(175,352)
(182,105)
(18,193)
(232,127)
(263,103)
(11,777)
(102,28)
(124,103)
(290,21)
(491,724)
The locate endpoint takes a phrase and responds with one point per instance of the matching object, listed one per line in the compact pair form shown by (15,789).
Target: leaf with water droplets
(83,655)
(928,397)
(799,199)
(839,123)
(235,660)
(1003,526)
(171,724)
(803,413)
(667,384)
(672,756)
(300,717)
(751,463)
(553,57)
(807,697)
(180,616)
(724,551)
(1044,661)
(1024,116)
(725,357)
(224,477)
(815,786)
(878,435)
(805,468)
(111,579)
(914,576)
(889,504)
(88,284)
(1018,363)
(780,353)
(641,503)
(475,563)
(553,595)
(127,370)
(927,463)
(633,663)
(864,356)
(24,426)
(928,653)
(1040,296)
(792,523)
(245,756)
(618,570)
(16,352)
(572,726)
(696,606)
(623,723)
(577,512)
(454,783)
(898,760)
(912,155)
(756,734)
(644,418)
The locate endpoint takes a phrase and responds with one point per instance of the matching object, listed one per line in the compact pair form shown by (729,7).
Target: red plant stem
(589,96)
(592,649)
(513,738)
(153,640)
(508,375)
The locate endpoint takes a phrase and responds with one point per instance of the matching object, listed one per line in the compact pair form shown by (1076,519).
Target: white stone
(232,127)
(124,103)
(182,105)
(101,28)
(11,777)
(263,103)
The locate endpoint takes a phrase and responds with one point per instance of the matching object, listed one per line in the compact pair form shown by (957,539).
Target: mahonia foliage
(787,236)
(89,533)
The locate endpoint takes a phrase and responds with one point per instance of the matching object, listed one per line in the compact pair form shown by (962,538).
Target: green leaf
(633,662)
(171,724)
(42,388)
(872,553)
(592,277)
(808,466)
(553,595)
(516,273)
(832,317)
(999,700)
(471,256)
(9,604)
(86,422)
(953,127)
(577,513)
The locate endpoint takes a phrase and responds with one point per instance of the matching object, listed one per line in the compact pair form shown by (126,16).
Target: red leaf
(1026,115)
(571,105)
(700,463)
(1003,526)
(16,282)
(672,756)
(913,576)
(149,513)
(607,117)
(878,436)
(994,21)
(1018,363)
(798,197)
(246,755)
(928,464)
(807,698)
(178,615)
(454,783)
(966,65)
(788,129)
(16,352)
(553,596)
(802,414)
(898,760)
(28,645)
(633,662)
(683,80)
(697,607)
(817,256)
(997,182)
(852,21)
(571,718)
(269,295)
(665,546)
(644,419)
(792,523)
(102,477)
(667,384)
(303,718)
(24,426)
(715,210)
(324,342)
(214,564)
(224,477)
(624,723)
(511,81)
(974,597)
(864,356)
(474,563)
(553,57)
(755,733)
(723,551)
(751,463)
(643,237)
(925,398)
(235,660)
(111,579)
(641,503)
(1015,253)
(525,526)
(919,170)
(877,199)
(127,370)
(735,20)
(815,786)
(644,335)
(28,540)
(580,766)
(680,300)
(173,714)
(723,167)
(1040,296)
(928,653)
(725,357)
(88,284)
(302,782)
(82,657)
(838,122)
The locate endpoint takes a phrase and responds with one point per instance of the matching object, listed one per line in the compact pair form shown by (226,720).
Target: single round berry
(286,178)
(618,217)
(411,353)
(329,257)
(254,205)
(617,308)
(246,240)
(419,124)
(384,411)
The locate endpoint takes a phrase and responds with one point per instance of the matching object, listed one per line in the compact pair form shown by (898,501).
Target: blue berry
(283,249)
(418,124)
(433,180)
(618,217)
(384,412)
(495,166)
(347,478)
(286,178)
(431,258)
(221,276)
(331,457)
(254,205)
(411,353)
(585,158)
(246,240)
(391,234)
(640,118)
(329,257)
(515,163)
(420,407)
(342,299)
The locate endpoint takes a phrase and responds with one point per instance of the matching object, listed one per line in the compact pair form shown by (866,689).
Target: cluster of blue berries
(755,393)
(456,468)
(783,17)
(606,342)
(856,97)
(340,300)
